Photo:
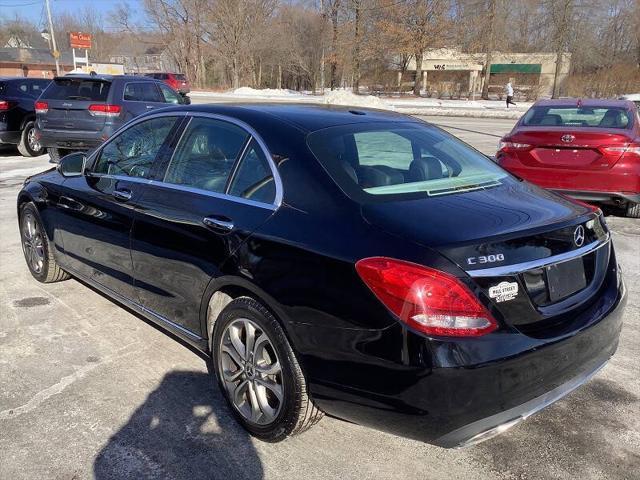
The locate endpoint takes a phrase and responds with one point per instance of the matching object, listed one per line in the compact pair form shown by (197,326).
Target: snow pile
(265,92)
(345,97)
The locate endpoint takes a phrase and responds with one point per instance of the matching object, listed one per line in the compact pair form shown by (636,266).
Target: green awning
(516,68)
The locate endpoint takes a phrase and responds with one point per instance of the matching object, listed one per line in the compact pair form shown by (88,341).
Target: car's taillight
(41,107)
(103,110)
(4,105)
(426,299)
(630,149)
(511,146)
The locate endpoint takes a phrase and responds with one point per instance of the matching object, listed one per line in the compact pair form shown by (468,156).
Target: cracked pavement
(90,390)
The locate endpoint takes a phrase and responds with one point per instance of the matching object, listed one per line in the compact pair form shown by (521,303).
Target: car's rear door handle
(150,106)
(223,225)
(123,195)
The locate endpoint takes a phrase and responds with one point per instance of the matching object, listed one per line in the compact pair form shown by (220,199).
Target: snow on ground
(408,105)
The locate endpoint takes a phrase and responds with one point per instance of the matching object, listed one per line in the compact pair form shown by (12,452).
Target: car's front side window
(206,154)
(169,95)
(134,150)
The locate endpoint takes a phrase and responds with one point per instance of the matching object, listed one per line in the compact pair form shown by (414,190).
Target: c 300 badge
(504,291)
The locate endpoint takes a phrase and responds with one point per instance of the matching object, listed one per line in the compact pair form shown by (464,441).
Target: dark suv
(79,112)
(17,114)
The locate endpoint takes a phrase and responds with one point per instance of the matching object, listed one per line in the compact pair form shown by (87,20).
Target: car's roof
(105,78)
(585,102)
(308,117)
(11,79)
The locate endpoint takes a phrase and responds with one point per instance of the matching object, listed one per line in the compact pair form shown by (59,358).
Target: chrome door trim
(516,268)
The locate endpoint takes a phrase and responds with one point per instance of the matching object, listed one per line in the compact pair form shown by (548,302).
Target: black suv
(79,112)
(17,114)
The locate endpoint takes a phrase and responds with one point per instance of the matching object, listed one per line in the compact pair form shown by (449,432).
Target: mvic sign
(436,65)
(80,40)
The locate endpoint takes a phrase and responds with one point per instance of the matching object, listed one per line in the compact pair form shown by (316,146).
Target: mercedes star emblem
(578,236)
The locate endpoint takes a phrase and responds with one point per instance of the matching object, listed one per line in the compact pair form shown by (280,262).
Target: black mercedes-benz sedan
(357,263)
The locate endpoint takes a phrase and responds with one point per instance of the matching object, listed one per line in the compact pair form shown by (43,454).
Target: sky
(34,10)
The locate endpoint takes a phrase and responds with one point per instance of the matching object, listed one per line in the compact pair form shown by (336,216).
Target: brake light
(41,107)
(630,149)
(511,146)
(4,105)
(426,299)
(104,110)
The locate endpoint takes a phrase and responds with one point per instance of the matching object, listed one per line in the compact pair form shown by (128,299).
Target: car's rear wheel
(29,145)
(258,373)
(36,247)
(633,210)
(56,154)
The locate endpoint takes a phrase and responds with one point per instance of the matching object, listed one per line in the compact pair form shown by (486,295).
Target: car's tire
(56,154)
(633,210)
(36,247)
(256,404)
(29,146)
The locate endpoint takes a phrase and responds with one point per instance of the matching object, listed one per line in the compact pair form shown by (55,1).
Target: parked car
(634,97)
(177,81)
(79,112)
(587,149)
(355,262)
(17,113)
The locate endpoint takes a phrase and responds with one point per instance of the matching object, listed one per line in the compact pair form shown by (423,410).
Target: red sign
(80,40)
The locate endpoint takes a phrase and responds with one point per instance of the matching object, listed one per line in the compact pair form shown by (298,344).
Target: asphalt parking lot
(90,390)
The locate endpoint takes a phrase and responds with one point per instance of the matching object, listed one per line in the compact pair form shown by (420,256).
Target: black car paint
(298,258)
(75,129)
(21,111)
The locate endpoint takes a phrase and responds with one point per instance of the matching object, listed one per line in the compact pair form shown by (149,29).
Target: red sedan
(587,149)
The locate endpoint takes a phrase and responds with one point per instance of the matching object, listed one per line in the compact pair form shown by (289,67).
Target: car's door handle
(223,225)
(122,195)
(150,106)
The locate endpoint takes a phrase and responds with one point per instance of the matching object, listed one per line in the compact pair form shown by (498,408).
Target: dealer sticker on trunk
(504,291)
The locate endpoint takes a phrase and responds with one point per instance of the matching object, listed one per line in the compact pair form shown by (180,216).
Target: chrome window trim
(223,196)
(516,268)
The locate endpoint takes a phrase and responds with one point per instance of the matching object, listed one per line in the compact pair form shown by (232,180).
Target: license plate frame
(566,278)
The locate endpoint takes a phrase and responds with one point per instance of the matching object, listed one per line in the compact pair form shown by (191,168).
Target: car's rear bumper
(10,137)
(601,197)
(71,139)
(454,393)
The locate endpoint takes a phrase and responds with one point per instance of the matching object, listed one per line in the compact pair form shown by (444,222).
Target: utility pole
(56,53)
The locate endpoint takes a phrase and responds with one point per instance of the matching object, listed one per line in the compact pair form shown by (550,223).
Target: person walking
(509,90)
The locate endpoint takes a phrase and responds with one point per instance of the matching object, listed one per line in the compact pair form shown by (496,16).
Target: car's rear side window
(206,154)
(577,117)
(253,179)
(77,89)
(142,92)
(133,151)
(379,161)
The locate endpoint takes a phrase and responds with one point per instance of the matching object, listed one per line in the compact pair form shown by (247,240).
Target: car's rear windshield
(179,76)
(574,116)
(77,89)
(384,161)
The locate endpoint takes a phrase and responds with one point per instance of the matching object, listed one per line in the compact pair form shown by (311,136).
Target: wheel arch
(222,290)
(30,117)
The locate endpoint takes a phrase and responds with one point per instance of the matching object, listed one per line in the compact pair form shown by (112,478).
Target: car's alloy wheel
(259,373)
(251,371)
(36,247)
(29,145)
(32,243)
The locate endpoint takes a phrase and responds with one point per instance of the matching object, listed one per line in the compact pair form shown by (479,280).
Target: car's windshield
(378,161)
(576,117)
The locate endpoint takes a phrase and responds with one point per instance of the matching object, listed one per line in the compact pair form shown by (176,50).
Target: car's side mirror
(72,165)
(186,100)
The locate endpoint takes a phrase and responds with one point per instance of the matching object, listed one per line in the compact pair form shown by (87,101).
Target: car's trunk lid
(516,242)
(571,148)
(69,101)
